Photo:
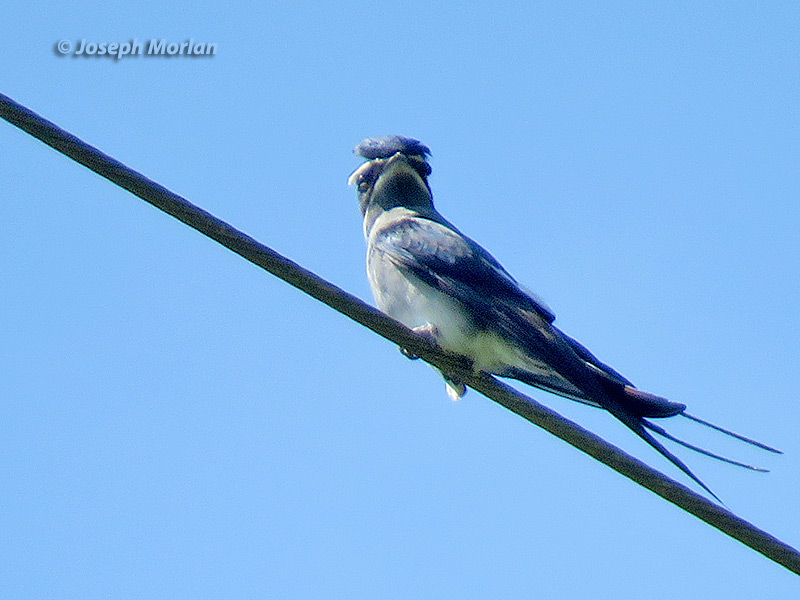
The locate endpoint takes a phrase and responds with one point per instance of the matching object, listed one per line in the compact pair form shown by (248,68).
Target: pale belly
(416,304)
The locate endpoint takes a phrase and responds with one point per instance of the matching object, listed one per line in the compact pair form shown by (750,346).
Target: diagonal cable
(359,311)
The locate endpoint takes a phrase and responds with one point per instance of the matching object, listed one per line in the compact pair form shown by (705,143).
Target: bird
(425,273)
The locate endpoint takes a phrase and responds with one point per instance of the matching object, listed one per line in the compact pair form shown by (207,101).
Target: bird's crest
(389,145)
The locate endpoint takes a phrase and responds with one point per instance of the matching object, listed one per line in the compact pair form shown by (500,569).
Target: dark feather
(384,147)
(441,257)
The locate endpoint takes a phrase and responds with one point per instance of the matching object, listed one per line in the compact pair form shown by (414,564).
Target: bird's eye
(367,177)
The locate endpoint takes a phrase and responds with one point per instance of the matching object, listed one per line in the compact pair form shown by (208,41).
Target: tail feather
(634,401)
(663,433)
(732,434)
(634,408)
(637,425)
(623,402)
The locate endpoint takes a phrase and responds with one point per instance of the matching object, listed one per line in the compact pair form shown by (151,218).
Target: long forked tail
(640,426)
(644,423)
(665,434)
(635,408)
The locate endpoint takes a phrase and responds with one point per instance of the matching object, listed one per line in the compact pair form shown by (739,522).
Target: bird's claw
(429,332)
(408,354)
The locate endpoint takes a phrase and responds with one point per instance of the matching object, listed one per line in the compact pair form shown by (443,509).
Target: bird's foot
(408,354)
(429,332)
(455,389)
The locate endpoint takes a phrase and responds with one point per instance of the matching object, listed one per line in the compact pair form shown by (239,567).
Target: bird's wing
(455,265)
(451,263)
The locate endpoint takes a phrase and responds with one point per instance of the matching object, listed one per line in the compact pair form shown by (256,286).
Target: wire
(366,315)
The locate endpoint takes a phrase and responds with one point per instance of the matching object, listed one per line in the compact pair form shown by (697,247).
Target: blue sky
(178,424)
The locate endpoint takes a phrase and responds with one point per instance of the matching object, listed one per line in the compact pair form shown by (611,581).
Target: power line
(349,305)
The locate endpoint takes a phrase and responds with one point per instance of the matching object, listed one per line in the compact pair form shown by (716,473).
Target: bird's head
(395,174)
